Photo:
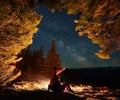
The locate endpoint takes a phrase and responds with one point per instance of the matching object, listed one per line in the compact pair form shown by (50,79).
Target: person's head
(55,68)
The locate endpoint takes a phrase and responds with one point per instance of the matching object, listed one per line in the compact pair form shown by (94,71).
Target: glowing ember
(80,88)
(92,93)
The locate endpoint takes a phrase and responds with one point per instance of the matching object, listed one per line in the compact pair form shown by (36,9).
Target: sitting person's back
(54,81)
(55,84)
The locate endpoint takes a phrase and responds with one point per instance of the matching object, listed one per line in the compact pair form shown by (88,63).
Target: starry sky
(75,51)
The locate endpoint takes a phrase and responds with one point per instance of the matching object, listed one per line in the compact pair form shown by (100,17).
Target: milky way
(75,51)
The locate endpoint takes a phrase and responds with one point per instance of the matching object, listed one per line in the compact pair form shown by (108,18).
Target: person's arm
(60,71)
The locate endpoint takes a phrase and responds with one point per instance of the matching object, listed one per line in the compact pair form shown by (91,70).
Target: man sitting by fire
(55,85)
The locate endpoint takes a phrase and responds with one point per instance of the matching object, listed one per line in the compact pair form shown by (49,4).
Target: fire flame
(26,85)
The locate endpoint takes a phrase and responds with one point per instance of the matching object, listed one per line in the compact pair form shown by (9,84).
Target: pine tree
(25,64)
(52,59)
(41,59)
(18,23)
(38,61)
(34,65)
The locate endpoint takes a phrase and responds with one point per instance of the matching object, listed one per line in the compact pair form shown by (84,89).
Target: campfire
(31,85)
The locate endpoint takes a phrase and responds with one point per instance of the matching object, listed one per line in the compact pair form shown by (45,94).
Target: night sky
(75,51)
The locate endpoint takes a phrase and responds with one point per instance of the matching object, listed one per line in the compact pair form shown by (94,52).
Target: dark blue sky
(75,51)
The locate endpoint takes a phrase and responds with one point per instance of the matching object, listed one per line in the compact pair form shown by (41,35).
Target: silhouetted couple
(55,85)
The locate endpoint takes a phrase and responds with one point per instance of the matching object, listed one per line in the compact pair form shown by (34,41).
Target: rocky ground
(36,95)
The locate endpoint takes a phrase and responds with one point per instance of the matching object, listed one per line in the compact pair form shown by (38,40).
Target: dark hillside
(102,76)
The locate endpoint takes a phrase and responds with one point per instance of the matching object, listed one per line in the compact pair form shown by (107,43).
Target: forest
(36,64)
(99,20)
